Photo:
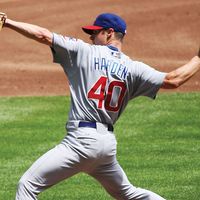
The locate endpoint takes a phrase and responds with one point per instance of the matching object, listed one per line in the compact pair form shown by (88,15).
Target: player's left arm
(177,77)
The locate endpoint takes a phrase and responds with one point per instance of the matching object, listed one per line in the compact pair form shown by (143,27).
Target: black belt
(93,125)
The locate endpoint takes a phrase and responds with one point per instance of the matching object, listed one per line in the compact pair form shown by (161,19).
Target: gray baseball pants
(84,149)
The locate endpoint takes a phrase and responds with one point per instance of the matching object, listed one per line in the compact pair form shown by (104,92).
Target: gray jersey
(102,79)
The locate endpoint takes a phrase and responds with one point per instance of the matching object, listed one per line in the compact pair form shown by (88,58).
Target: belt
(94,125)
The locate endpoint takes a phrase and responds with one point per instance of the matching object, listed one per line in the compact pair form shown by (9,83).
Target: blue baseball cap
(105,21)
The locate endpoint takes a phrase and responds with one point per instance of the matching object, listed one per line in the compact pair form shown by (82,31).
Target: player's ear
(110,31)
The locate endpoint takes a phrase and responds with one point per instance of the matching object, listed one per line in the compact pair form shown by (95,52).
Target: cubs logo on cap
(107,20)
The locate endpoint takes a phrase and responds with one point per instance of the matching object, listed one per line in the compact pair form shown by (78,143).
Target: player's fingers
(3,17)
(199,52)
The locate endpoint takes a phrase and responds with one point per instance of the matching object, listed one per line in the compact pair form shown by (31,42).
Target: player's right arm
(31,31)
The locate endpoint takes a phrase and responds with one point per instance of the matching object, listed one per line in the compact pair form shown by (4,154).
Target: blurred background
(162,34)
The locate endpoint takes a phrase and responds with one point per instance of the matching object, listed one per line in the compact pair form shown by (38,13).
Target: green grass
(158,145)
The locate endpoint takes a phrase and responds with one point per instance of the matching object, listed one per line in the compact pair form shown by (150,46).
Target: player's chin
(92,40)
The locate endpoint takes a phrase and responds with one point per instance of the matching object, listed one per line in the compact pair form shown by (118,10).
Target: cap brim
(89,29)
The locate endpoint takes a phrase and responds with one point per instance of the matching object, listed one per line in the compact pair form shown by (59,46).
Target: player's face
(99,37)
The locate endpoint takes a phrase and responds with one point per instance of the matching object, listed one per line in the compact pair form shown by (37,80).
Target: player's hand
(3,18)
(199,53)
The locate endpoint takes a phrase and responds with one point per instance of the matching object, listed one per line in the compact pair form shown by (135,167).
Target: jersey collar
(112,48)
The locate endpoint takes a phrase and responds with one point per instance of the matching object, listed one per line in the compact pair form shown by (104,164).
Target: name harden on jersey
(115,68)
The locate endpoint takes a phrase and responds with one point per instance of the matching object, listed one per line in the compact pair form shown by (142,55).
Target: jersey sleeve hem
(160,82)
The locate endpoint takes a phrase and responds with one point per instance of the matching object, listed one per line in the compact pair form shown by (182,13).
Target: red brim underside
(89,29)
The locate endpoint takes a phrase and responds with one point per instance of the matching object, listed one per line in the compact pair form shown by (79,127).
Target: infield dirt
(163,34)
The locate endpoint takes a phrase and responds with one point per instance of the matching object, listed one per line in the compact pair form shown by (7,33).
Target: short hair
(119,36)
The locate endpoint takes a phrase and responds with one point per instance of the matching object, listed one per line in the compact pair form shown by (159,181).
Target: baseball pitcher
(102,80)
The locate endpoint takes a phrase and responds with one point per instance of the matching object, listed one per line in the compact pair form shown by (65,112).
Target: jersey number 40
(111,102)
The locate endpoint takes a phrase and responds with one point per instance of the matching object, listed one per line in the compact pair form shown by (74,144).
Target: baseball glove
(2,19)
